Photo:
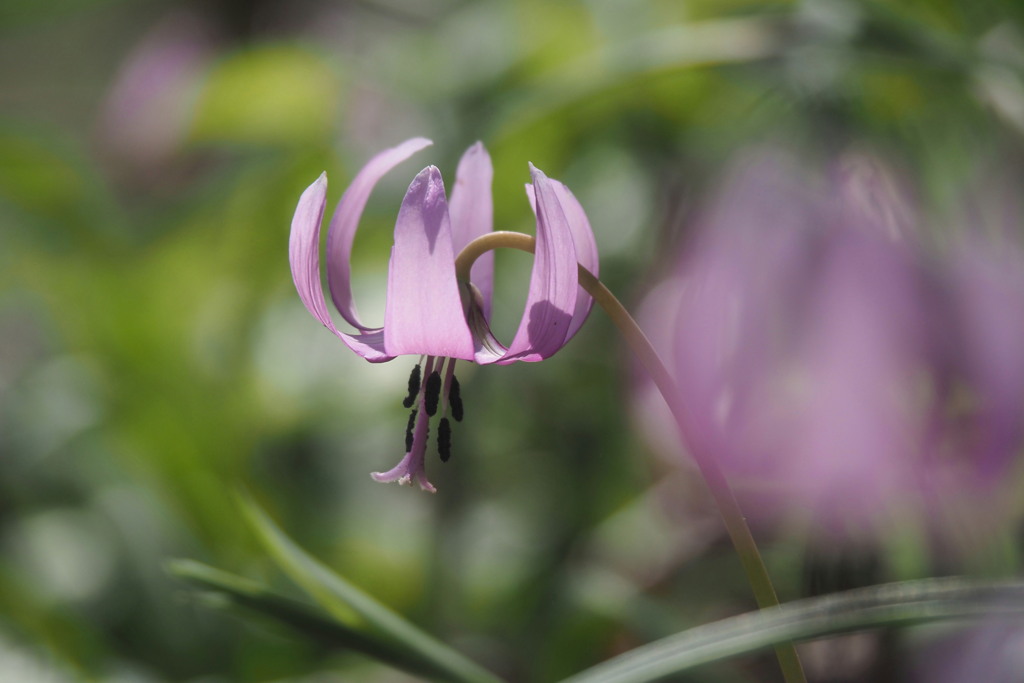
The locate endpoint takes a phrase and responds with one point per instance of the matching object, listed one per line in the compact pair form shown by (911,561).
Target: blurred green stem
(728,508)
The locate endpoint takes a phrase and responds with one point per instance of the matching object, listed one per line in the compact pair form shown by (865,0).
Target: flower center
(473,309)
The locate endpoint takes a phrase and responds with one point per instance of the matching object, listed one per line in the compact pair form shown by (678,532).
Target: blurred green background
(155,359)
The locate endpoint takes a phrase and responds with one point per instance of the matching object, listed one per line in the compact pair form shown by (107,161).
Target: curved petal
(304,255)
(424,313)
(345,221)
(554,282)
(472,213)
(585,243)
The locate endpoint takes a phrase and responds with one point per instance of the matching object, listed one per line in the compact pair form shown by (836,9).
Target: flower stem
(728,508)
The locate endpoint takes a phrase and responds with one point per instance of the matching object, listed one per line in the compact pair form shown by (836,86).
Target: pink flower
(992,651)
(836,370)
(144,120)
(428,313)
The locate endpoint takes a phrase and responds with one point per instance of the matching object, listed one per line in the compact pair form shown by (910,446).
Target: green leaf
(896,604)
(620,64)
(240,594)
(350,605)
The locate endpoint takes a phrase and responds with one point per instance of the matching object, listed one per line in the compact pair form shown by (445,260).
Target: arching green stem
(732,516)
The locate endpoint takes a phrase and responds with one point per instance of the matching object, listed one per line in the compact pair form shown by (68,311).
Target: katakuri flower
(836,368)
(428,312)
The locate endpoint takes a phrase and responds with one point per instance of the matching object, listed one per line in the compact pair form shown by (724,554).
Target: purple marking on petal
(585,243)
(472,215)
(424,314)
(487,348)
(304,256)
(346,220)
(554,282)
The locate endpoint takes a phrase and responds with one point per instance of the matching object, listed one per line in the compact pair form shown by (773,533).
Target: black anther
(408,431)
(444,439)
(455,399)
(414,387)
(432,394)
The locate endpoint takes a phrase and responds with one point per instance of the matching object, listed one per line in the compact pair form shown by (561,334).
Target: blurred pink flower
(992,652)
(146,115)
(834,368)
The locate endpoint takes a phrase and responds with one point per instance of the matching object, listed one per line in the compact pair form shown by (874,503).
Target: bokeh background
(155,359)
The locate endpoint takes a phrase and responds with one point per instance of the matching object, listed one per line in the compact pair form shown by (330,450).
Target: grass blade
(896,604)
(240,594)
(346,602)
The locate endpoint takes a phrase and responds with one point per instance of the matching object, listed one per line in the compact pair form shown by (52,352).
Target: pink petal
(553,284)
(586,247)
(304,255)
(472,215)
(424,313)
(346,220)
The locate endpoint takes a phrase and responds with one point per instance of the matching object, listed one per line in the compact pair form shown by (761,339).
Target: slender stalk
(728,508)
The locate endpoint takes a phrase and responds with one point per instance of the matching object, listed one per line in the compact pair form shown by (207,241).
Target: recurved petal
(424,313)
(554,282)
(472,215)
(304,255)
(346,220)
(585,243)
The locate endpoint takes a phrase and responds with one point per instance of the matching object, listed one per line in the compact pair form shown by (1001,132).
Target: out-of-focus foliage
(154,356)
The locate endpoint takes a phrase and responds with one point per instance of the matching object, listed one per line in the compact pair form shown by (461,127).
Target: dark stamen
(455,399)
(433,392)
(408,431)
(414,387)
(444,439)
